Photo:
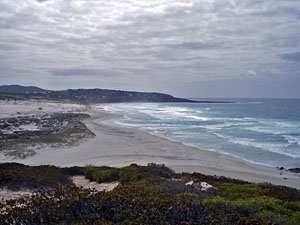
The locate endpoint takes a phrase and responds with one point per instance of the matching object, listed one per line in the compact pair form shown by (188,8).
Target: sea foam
(264,131)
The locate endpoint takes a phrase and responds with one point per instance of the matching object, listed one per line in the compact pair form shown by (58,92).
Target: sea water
(263,131)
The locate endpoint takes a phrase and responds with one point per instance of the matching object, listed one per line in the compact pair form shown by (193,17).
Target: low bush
(18,176)
(146,195)
(140,202)
(101,174)
(258,200)
(108,174)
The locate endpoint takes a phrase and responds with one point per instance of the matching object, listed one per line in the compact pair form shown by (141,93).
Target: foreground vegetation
(151,194)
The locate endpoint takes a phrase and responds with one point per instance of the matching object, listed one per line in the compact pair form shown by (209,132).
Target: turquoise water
(264,131)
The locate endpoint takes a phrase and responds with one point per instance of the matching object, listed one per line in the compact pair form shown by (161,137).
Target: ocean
(262,131)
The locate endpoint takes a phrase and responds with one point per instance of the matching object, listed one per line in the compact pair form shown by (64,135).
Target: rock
(294,170)
(203,186)
(190,183)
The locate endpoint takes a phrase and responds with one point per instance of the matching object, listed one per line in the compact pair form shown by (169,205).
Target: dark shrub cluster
(17,176)
(141,202)
(213,180)
(160,170)
(146,195)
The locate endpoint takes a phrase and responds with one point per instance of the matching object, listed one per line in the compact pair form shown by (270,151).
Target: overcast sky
(189,48)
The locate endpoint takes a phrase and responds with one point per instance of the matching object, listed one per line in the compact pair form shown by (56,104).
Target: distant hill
(20,89)
(85,95)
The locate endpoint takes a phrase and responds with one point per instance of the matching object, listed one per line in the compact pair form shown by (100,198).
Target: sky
(188,48)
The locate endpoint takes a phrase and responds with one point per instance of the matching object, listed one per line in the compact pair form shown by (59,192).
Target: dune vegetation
(151,194)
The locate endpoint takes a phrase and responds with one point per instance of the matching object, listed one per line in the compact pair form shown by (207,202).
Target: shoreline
(223,158)
(189,145)
(119,146)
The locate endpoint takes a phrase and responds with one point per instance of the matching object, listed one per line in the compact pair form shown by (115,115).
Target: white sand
(119,146)
(35,107)
(81,181)
(6,194)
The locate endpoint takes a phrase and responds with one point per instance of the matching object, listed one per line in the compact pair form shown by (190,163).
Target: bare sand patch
(6,194)
(81,181)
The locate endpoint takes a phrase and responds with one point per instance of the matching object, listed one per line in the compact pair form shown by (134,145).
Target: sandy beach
(120,146)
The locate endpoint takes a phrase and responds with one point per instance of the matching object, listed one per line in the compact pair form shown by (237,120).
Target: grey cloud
(152,42)
(292,56)
(80,72)
(250,73)
(195,46)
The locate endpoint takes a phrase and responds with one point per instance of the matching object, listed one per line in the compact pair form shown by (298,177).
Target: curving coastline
(119,146)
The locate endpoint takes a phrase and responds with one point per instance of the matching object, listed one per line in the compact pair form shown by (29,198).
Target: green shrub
(234,191)
(187,195)
(101,175)
(107,174)
(130,173)
(255,200)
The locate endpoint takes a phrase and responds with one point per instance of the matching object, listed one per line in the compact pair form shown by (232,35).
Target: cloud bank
(153,45)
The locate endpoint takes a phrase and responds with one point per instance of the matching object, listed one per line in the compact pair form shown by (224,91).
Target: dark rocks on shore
(294,170)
